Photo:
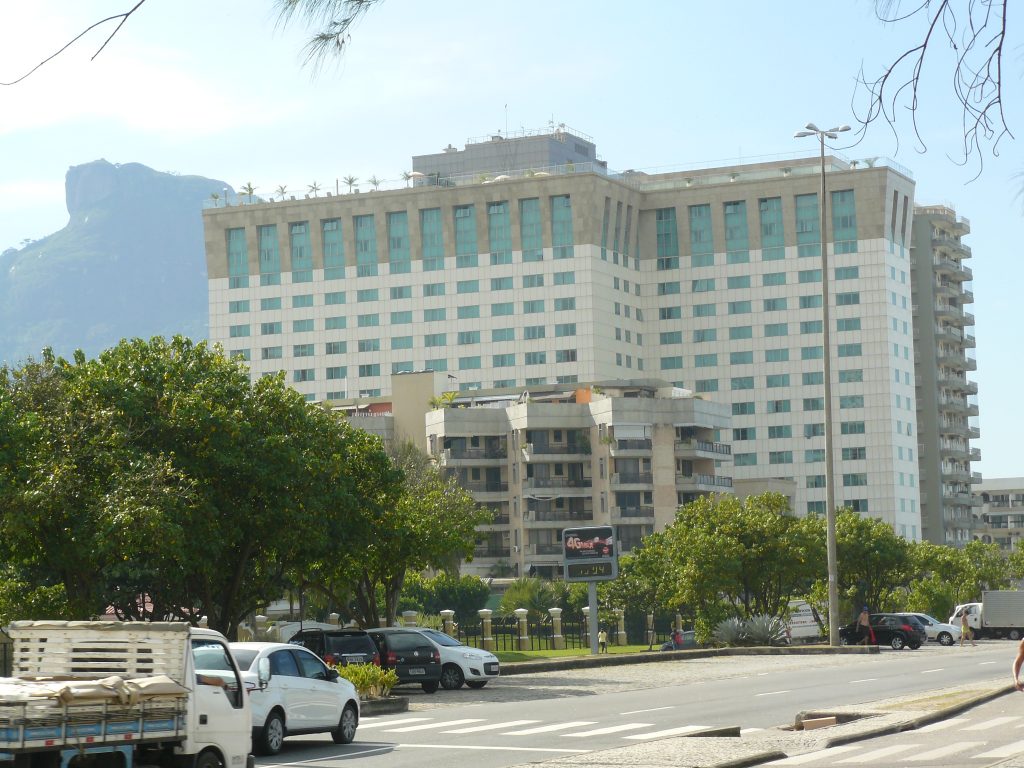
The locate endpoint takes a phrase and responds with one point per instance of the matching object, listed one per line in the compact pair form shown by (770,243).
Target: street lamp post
(830,486)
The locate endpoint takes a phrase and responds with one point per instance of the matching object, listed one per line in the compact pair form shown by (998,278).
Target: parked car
(942,633)
(414,658)
(461,664)
(889,629)
(338,646)
(303,695)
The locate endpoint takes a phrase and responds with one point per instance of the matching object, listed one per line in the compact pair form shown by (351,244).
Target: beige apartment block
(1000,512)
(946,399)
(523,262)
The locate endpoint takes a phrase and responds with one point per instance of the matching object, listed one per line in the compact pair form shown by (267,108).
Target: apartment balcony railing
(487,551)
(559,516)
(632,478)
(482,486)
(703,446)
(635,444)
(557,449)
(967,297)
(706,481)
(976,456)
(634,513)
(499,520)
(974,433)
(975,477)
(547,550)
(460,457)
(558,482)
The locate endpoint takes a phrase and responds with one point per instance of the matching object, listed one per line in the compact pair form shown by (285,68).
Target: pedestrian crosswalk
(573,729)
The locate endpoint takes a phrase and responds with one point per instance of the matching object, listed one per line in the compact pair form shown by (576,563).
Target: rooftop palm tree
(314,189)
(281,191)
(406,177)
(351,181)
(249,189)
(375,182)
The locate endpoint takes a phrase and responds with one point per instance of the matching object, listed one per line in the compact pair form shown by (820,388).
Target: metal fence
(505,631)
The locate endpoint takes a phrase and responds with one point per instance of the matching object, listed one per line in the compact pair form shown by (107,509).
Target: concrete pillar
(650,629)
(334,618)
(620,626)
(259,631)
(557,639)
(409,618)
(448,622)
(523,643)
(679,622)
(383,621)
(485,628)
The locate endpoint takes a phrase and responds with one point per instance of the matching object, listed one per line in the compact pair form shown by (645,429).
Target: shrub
(371,681)
(764,630)
(728,632)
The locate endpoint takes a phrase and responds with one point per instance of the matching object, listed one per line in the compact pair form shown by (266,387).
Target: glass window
(468,312)
(743,409)
(501,284)
(368,321)
(335,297)
(777,406)
(533,281)
(738,332)
(506,360)
(499,232)
(466,252)
(844,222)
(333,249)
(301,252)
(808,231)
(502,309)
(535,358)
(776,355)
(234,307)
(701,236)
(565,303)
(561,227)
(238,259)
(708,360)
(673,362)
(741,358)
(742,382)
(702,286)
(302,350)
(703,310)
(503,334)
(847,299)
(401,318)
(434,340)
(236,331)
(813,378)
(775,305)
(398,242)
(530,230)
(810,302)
(737,240)
(269,329)
(532,332)
(271,353)
(467,286)
(739,307)
(669,288)
(369,345)
(367,294)
(268,304)
(667,238)
(334,323)
(738,281)
(810,326)
(335,347)
(401,292)
(669,313)
(851,375)
(469,337)
(270,255)
(302,326)
(369,369)
(565,329)
(772,237)
(776,380)
(434,315)
(848,324)
(366,245)
(469,363)
(565,278)
(533,307)
(431,240)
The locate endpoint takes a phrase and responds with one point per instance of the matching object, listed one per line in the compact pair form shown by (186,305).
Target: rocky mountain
(130,262)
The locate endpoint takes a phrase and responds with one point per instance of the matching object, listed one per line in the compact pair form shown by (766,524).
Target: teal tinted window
(810,302)
(302,350)
(335,348)
(236,331)
(847,299)
(368,321)
(366,245)
(738,281)
(503,334)
(371,369)
(535,358)
(270,255)
(532,307)
(334,323)
(304,300)
(741,332)
(334,297)
(501,283)
(399,258)
(433,315)
(565,329)
(271,353)
(565,278)
(780,431)
(270,329)
(701,238)
(469,337)
(401,292)
(705,334)
(671,363)
(469,363)
(776,380)
(302,326)
(848,324)
(438,364)
(466,253)
(844,221)
(739,307)
(700,310)
(741,358)
(707,385)
(773,278)
(737,238)
(776,355)
(812,378)
(369,345)
(776,329)
(403,367)
(808,231)
(502,309)
(431,240)
(468,312)
(851,375)
(809,276)
(565,303)
(467,286)
(847,273)
(367,294)
(810,326)
(561,227)
(238,306)
(507,360)
(499,233)
(531,231)
(849,350)
(745,459)
(238,259)
(334,249)
(702,286)
(741,382)
(671,337)
(667,236)
(810,353)
(772,239)
(851,401)
(433,289)
(301,252)
(532,332)
(434,340)
(743,409)
(533,281)
(775,305)
(708,360)
(401,318)
(675,313)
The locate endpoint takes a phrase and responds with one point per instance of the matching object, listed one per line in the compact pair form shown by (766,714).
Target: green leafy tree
(249,189)
(463,594)
(281,191)
(647,579)
(350,181)
(534,594)
(872,561)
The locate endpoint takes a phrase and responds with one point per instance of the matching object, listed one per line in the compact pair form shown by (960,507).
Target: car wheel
(452,677)
(478,684)
(844,640)
(1014,634)
(272,736)
(897,642)
(346,730)
(914,646)
(430,687)
(209,759)
(945,638)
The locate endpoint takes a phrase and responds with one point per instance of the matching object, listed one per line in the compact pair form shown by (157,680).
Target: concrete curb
(645,657)
(751,760)
(387,706)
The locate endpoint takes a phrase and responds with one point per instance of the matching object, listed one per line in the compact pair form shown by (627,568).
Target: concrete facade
(707,279)
(1000,507)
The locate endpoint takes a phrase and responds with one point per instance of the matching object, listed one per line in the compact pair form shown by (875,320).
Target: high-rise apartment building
(1000,504)
(529,275)
(946,399)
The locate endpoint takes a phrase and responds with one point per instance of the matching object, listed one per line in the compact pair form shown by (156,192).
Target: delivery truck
(108,694)
(999,614)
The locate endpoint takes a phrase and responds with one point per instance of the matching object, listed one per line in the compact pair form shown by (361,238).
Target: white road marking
(762,674)
(428,726)
(1007,750)
(995,722)
(640,711)
(983,663)
(345,756)
(949,749)
(942,725)
(363,724)
(877,754)
(609,729)
(745,731)
(865,680)
(549,728)
(773,693)
(926,671)
(810,757)
(491,726)
(490,749)
(670,732)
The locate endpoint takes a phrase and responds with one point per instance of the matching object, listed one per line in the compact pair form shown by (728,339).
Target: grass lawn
(568,652)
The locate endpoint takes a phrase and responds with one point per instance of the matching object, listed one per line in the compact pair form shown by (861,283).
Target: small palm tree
(314,189)
(215,196)
(351,181)
(281,191)
(375,182)
(406,177)
(249,189)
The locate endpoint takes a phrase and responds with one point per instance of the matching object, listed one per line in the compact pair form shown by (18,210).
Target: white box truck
(110,694)
(999,614)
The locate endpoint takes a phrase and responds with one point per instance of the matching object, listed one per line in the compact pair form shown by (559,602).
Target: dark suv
(889,629)
(339,646)
(414,658)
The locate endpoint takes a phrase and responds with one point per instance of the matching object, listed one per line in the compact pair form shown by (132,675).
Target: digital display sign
(590,554)
(587,571)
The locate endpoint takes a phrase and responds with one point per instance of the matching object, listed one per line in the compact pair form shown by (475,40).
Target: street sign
(590,554)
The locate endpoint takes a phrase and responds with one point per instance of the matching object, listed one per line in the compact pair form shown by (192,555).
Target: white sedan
(303,695)
(940,632)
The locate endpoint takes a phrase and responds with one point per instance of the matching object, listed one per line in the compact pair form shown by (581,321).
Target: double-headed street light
(830,486)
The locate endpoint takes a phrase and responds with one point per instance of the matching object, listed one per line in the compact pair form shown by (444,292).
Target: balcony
(633,515)
(547,551)
(559,486)
(973,433)
(556,451)
(465,457)
(485,486)
(975,477)
(953,451)
(632,478)
(702,449)
(531,518)
(955,360)
(630,447)
(499,520)
(976,456)
(708,483)
(489,551)
(967,297)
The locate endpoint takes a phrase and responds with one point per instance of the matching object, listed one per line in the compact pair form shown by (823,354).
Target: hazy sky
(217,89)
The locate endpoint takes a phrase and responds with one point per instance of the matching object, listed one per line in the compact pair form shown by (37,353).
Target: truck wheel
(272,736)
(208,759)
(346,730)
(1014,634)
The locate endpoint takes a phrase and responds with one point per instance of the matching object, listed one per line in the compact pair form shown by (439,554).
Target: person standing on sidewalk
(1016,667)
(602,642)
(965,630)
(864,626)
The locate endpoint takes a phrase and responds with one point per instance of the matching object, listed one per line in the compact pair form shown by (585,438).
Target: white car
(303,695)
(461,664)
(942,633)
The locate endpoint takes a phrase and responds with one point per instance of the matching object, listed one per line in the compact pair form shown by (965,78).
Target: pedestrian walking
(864,626)
(1016,667)
(966,632)
(602,642)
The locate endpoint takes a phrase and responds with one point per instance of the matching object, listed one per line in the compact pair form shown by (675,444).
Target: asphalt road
(527,718)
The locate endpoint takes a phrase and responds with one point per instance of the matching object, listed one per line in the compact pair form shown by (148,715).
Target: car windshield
(441,638)
(245,658)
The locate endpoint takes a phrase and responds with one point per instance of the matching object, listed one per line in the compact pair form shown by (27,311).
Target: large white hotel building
(522,260)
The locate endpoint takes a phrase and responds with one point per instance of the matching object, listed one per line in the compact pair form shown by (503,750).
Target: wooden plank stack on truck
(999,614)
(108,694)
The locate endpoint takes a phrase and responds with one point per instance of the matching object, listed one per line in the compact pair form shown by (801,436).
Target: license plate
(417,671)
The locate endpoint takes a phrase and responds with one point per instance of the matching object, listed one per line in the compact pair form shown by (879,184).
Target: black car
(889,629)
(414,658)
(339,646)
